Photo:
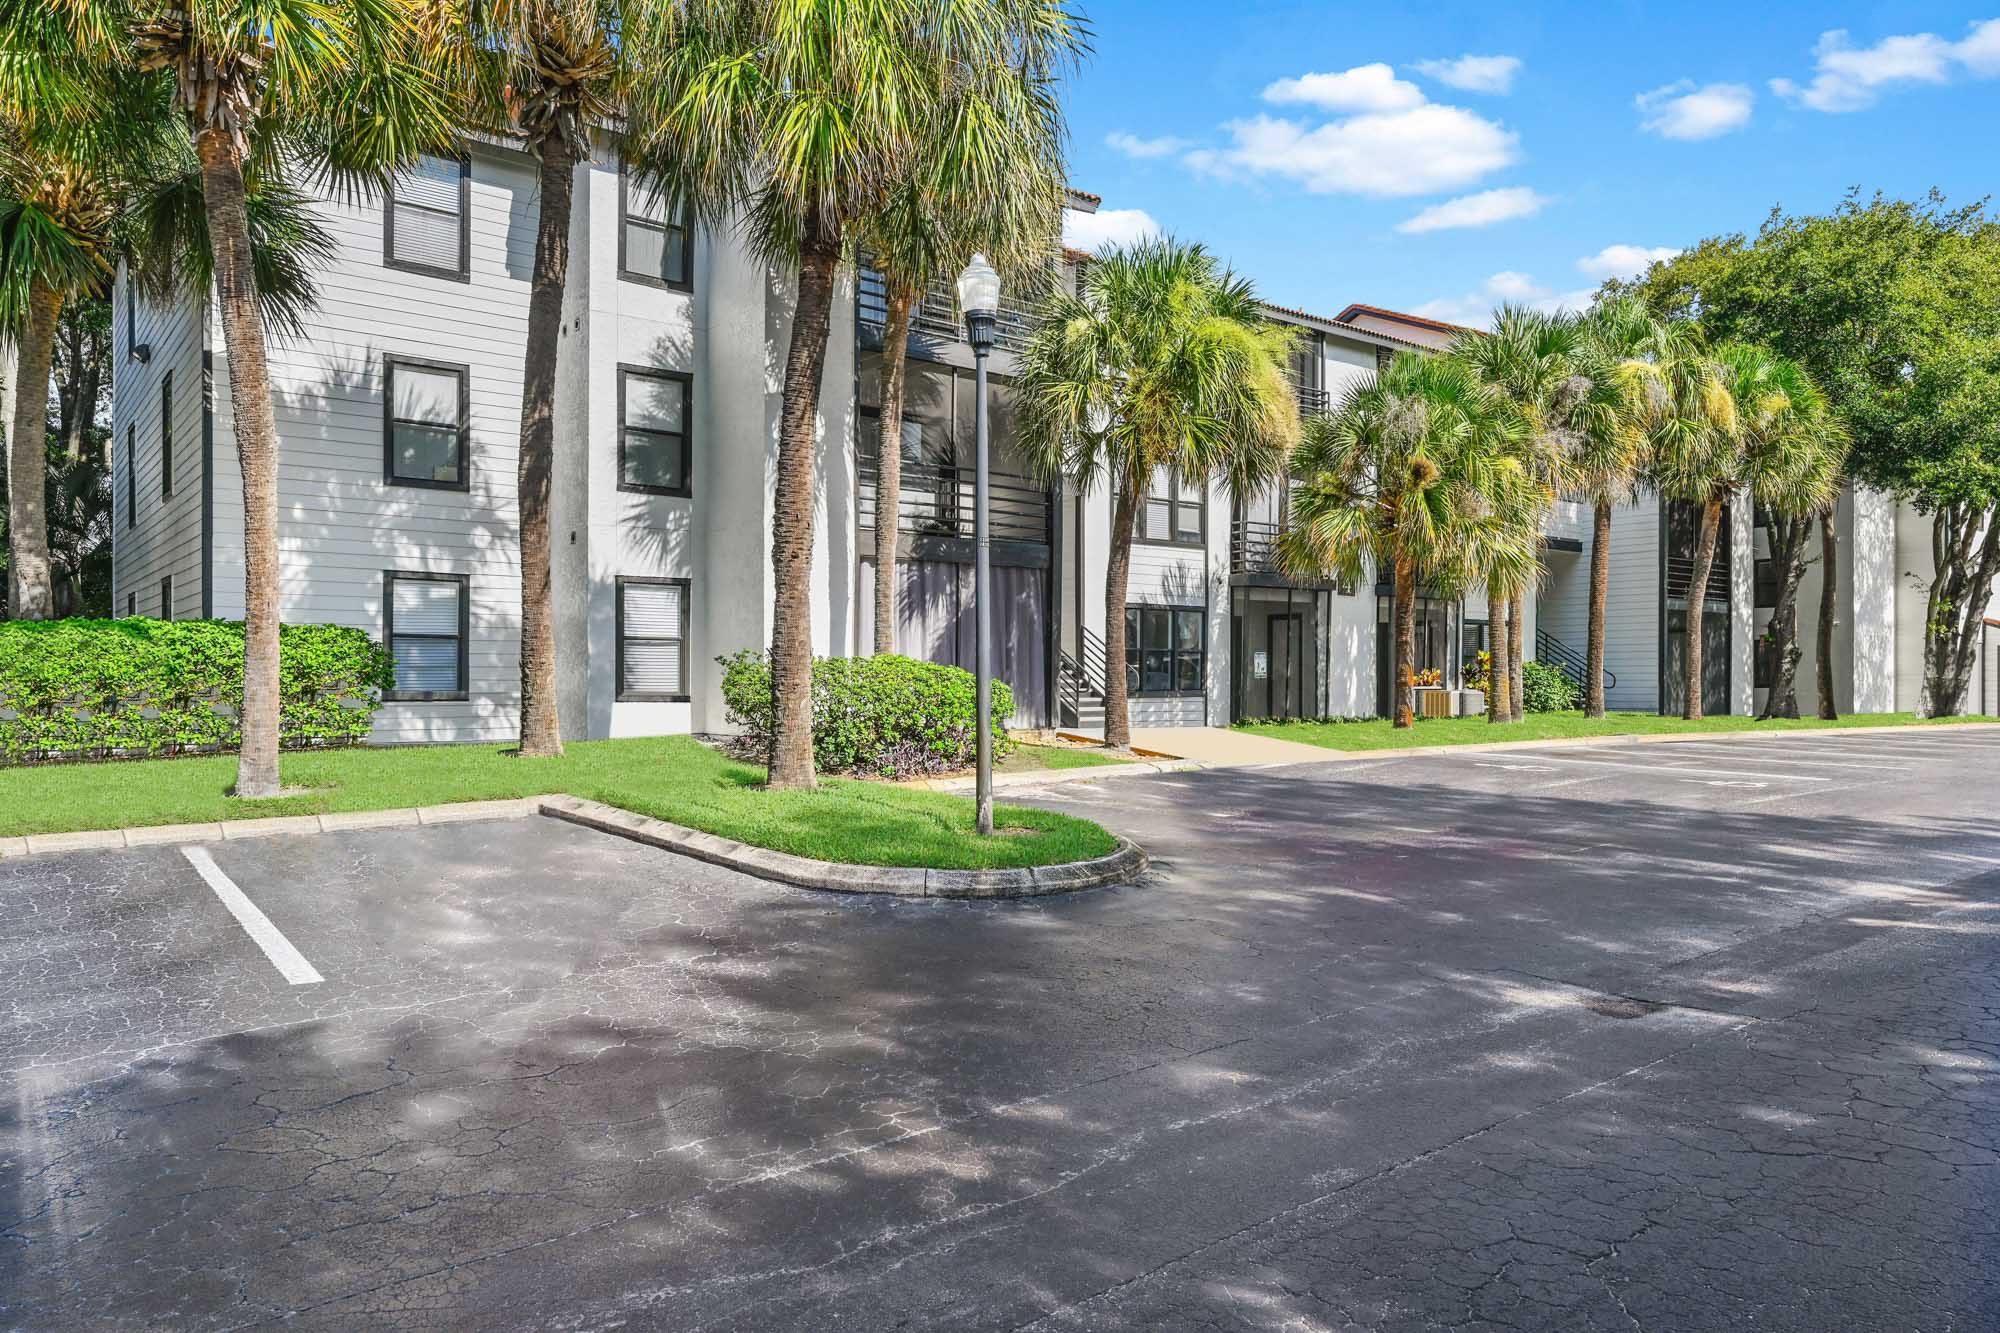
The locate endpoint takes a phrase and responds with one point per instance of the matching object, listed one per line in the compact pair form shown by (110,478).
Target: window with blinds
(652,431)
(654,240)
(652,640)
(1174,512)
(425,427)
(426,229)
(426,633)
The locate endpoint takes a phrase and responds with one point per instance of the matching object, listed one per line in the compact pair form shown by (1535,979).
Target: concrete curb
(1044,777)
(159,835)
(1616,742)
(1121,866)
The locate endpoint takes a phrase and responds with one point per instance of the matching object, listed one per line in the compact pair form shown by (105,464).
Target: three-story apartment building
(398,414)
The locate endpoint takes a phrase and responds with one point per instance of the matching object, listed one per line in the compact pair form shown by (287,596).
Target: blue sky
(1340,153)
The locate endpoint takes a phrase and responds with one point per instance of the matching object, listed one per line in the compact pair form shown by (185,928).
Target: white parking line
(1814,759)
(290,963)
(1669,769)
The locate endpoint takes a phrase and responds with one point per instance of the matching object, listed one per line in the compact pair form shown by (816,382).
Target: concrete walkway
(1220,747)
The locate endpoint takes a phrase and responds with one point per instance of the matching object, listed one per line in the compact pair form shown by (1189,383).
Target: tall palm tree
(1689,418)
(545,72)
(1417,472)
(947,202)
(1606,457)
(798,117)
(1791,449)
(346,88)
(1161,360)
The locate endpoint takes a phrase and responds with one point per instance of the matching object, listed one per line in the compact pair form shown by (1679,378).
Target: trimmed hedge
(105,689)
(1548,689)
(888,716)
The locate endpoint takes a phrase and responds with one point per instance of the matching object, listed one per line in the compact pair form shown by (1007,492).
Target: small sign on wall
(1260,665)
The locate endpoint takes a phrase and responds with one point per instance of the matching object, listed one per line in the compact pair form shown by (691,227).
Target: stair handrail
(1548,648)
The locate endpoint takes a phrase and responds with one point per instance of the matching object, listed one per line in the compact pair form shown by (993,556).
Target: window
(427,226)
(167,597)
(425,424)
(1165,649)
(653,239)
(652,640)
(426,632)
(131,485)
(1766,661)
(131,604)
(652,431)
(1175,511)
(167,436)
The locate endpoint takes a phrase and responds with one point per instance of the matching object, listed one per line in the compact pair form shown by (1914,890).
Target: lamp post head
(979,299)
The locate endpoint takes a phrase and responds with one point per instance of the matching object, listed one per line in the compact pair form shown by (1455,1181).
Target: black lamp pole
(979,296)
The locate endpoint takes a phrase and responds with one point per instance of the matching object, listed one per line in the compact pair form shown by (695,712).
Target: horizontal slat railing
(938,500)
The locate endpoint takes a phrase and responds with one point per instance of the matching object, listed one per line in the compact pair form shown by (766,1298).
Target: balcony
(936,316)
(936,501)
(1312,401)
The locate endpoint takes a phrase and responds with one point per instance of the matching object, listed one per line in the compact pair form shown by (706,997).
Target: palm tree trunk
(1404,680)
(1697,602)
(1788,550)
(791,764)
(28,460)
(1117,575)
(889,468)
(1600,605)
(1499,675)
(1829,603)
(541,729)
(256,430)
(1517,656)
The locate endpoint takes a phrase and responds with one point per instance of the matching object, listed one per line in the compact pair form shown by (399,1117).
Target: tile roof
(1402,317)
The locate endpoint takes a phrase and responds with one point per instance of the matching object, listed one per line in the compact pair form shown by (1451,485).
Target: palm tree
(345,88)
(1161,360)
(1606,457)
(545,72)
(1417,472)
(1791,452)
(799,118)
(1689,418)
(937,214)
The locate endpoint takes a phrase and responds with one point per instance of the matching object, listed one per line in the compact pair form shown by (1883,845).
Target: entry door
(1285,634)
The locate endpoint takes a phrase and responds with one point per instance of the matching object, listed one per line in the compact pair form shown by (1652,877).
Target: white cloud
(1363,88)
(1395,155)
(1133,146)
(1475,74)
(1683,111)
(1624,261)
(1476,210)
(1475,309)
(1847,77)
(1107,226)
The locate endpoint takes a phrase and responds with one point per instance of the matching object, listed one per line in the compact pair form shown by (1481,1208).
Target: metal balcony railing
(937,499)
(937,315)
(1253,547)
(1312,402)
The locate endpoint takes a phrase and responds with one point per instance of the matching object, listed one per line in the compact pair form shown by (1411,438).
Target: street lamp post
(979,298)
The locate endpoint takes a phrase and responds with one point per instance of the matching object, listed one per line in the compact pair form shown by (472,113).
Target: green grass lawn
(1041,758)
(668,777)
(1379,734)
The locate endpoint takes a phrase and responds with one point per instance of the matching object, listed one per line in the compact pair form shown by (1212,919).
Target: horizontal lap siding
(166,537)
(1178,576)
(341,526)
(1632,619)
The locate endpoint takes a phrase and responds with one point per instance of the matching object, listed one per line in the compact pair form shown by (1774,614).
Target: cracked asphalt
(1661,1037)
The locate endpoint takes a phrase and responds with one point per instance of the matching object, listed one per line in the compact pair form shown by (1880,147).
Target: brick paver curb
(1121,866)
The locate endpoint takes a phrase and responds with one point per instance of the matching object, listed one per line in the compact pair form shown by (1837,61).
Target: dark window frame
(390,477)
(167,436)
(167,597)
(463,273)
(1134,650)
(390,578)
(1176,501)
(685,490)
(619,693)
(131,477)
(131,605)
(626,219)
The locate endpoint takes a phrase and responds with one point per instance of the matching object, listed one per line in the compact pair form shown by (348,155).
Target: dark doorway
(1286,634)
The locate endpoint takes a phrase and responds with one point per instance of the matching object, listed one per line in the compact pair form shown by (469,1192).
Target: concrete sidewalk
(1220,747)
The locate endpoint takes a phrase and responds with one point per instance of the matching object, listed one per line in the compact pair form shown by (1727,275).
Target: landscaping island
(673,778)
(1380,734)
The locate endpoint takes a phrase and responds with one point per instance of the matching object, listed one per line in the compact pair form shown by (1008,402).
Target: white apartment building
(398,415)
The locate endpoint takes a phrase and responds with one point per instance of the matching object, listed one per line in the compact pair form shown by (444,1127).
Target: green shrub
(889,716)
(1545,689)
(96,689)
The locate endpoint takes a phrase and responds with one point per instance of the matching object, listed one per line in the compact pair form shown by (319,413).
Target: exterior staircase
(1080,687)
(1551,651)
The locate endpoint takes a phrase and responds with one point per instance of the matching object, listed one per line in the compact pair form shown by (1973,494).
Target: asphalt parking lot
(1700,1035)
